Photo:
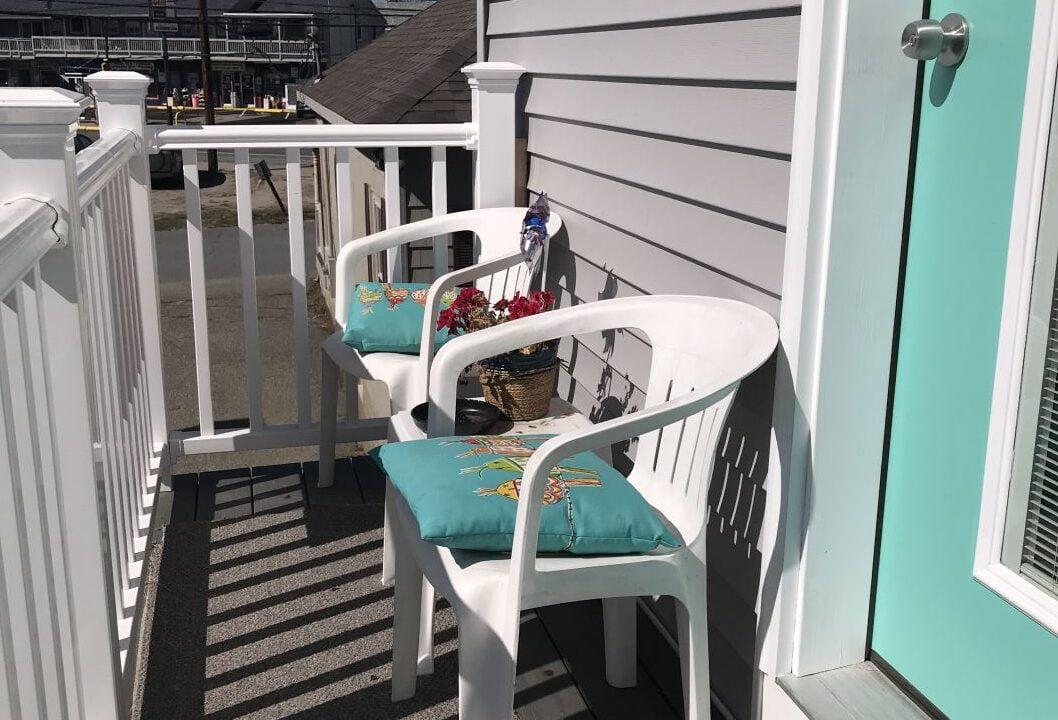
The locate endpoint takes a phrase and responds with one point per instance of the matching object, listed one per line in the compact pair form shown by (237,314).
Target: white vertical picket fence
(83,436)
(82,423)
(494,81)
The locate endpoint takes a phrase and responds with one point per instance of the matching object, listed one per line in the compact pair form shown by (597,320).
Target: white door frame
(852,141)
(851,149)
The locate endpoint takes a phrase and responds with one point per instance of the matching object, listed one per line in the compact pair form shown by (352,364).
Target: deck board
(576,630)
(561,674)
(185,497)
(371,479)
(224,495)
(277,488)
(344,493)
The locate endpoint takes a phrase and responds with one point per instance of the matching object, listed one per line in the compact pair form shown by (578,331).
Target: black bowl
(473,417)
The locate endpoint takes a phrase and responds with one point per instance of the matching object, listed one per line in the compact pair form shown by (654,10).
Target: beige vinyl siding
(662,133)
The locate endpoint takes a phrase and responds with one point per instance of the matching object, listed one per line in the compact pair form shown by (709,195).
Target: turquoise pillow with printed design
(464,492)
(387,317)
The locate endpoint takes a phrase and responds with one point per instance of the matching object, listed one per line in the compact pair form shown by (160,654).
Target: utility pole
(207,70)
(167,93)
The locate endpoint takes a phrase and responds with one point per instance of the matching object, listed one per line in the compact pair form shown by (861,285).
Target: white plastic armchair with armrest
(499,270)
(702,348)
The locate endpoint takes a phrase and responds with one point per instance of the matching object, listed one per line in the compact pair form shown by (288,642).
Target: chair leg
(328,419)
(693,627)
(426,612)
(619,630)
(387,547)
(426,629)
(487,666)
(407,599)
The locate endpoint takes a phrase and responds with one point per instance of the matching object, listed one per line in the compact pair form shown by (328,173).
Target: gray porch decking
(262,600)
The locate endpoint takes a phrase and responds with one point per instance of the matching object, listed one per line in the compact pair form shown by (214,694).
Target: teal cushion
(464,490)
(387,317)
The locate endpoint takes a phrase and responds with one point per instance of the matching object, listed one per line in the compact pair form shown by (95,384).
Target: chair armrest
(553,451)
(451,280)
(481,221)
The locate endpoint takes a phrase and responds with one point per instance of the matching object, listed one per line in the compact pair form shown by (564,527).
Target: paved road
(271,254)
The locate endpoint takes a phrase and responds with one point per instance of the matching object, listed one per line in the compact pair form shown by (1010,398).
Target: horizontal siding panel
(633,267)
(749,186)
(757,50)
(530,16)
(730,245)
(633,354)
(587,368)
(742,117)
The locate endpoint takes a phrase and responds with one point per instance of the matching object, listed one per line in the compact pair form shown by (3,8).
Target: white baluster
(298,285)
(394,256)
(249,288)
(36,470)
(439,200)
(344,192)
(15,540)
(197,267)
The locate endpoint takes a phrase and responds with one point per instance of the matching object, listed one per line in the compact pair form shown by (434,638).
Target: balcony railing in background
(292,139)
(150,48)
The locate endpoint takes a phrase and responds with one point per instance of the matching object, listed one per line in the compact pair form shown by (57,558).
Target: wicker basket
(520,394)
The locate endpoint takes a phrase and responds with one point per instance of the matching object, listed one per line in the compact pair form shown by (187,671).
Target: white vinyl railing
(190,141)
(151,47)
(83,437)
(82,423)
(118,359)
(491,134)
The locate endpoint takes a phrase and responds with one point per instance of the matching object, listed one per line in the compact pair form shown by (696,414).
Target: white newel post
(493,86)
(120,107)
(37,127)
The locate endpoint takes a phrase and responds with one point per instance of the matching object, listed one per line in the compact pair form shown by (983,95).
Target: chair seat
(394,369)
(460,575)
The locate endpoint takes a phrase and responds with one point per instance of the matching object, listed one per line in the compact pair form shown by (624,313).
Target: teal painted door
(971,654)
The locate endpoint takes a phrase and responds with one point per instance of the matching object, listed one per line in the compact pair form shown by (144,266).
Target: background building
(257,46)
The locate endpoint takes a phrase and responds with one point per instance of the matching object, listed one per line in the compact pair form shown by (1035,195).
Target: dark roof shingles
(410,74)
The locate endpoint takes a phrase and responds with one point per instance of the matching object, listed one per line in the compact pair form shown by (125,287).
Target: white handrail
(314,136)
(99,162)
(27,232)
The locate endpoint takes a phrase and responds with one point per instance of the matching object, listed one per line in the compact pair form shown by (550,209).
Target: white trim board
(853,120)
(1021,259)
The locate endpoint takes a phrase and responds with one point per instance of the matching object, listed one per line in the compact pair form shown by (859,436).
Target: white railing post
(120,107)
(37,128)
(493,86)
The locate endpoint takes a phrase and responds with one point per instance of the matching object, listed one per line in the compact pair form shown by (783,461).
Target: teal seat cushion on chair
(388,317)
(464,491)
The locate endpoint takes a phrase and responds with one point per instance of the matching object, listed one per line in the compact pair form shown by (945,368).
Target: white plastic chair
(499,271)
(702,348)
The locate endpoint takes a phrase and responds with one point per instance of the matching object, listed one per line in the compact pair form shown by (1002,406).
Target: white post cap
(494,76)
(40,106)
(117,83)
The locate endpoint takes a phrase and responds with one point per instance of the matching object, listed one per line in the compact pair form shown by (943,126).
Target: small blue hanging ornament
(534,232)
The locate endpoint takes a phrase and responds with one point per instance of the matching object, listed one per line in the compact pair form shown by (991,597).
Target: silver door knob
(944,41)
